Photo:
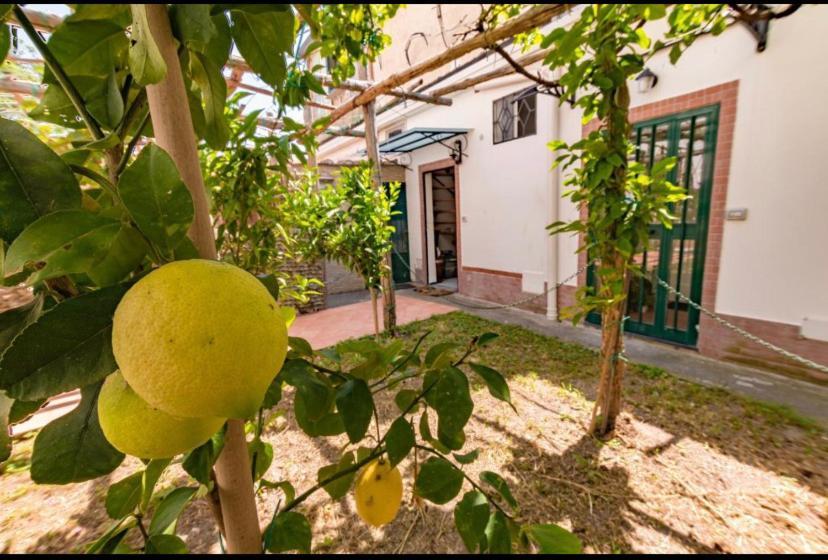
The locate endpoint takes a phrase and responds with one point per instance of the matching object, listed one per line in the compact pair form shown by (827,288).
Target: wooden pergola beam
(506,70)
(534,17)
(362,85)
(358,85)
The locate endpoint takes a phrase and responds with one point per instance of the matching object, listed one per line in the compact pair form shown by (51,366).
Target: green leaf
(5,41)
(73,447)
(315,390)
(67,347)
(273,394)
(288,531)
(552,539)
(193,25)
(300,346)
(399,440)
(61,243)
(124,255)
(218,50)
(467,458)
(157,198)
(14,320)
(451,400)
(167,512)
(261,456)
(88,48)
(471,515)
(439,355)
(271,283)
(34,181)
(289,315)
(123,497)
(486,338)
(498,483)
(404,398)
(328,424)
(496,383)
(5,437)
(498,537)
(151,475)
(213,89)
(263,39)
(339,487)
(111,538)
(438,481)
(283,485)
(199,462)
(145,60)
(356,406)
(166,544)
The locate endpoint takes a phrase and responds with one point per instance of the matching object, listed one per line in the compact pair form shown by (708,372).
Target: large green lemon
(200,338)
(378,493)
(134,427)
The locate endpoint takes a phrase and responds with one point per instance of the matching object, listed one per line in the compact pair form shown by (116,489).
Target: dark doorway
(441,224)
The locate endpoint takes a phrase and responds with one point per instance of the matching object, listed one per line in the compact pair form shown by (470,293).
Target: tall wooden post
(173,129)
(389,300)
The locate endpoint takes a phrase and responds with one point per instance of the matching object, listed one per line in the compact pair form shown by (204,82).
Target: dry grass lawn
(691,469)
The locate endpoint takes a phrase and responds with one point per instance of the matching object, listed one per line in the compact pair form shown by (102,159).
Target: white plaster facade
(773,265)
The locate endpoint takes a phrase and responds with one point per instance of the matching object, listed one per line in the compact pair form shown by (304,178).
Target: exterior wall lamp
(646,81)
(457,152)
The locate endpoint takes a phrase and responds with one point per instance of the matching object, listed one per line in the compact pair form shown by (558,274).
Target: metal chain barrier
(524,300)
(724,322)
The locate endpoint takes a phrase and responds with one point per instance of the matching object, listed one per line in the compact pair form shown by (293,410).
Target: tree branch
(554,86)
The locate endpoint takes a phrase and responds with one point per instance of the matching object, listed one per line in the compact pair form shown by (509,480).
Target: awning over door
(417,138)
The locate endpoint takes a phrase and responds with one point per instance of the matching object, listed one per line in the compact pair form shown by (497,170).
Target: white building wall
(774,265)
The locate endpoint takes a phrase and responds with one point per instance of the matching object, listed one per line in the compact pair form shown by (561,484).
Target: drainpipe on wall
(554,189)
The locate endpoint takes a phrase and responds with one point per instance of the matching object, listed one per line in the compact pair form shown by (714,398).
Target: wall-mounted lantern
(646,81)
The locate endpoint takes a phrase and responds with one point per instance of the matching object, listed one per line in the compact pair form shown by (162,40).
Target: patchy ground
(692,469)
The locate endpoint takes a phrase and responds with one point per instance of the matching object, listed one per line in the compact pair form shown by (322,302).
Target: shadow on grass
(758,434)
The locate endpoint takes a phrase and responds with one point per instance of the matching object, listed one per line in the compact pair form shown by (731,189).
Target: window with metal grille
(515,115)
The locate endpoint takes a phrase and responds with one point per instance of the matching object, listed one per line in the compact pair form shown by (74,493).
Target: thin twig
(131,146)
(336,476)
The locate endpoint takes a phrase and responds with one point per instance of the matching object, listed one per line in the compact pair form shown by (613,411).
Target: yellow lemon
(199,338)
(133,427)
(378,493)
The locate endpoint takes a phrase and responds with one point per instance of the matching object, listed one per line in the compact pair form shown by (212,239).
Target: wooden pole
(174,132)
(389,301)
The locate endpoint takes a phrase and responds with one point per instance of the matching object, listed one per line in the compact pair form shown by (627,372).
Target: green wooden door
(675,254)
(400,254)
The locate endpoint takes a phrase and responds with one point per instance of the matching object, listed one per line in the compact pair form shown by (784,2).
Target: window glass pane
(680,278)
(662,142)
(514,116)
(642,294)
(694,182)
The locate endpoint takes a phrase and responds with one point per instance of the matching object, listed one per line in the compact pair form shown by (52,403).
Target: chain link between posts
(724,322)
(763,343)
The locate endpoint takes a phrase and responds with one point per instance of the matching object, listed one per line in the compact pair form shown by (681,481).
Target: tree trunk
(608,400)
(389,301)
(173,129)
(373,292)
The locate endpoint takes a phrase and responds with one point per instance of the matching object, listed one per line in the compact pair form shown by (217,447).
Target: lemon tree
(163,346)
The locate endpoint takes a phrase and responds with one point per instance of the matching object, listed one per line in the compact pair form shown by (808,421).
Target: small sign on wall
(737,214)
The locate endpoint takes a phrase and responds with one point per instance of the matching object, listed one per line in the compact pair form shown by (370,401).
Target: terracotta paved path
(330,326)
(321,329)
